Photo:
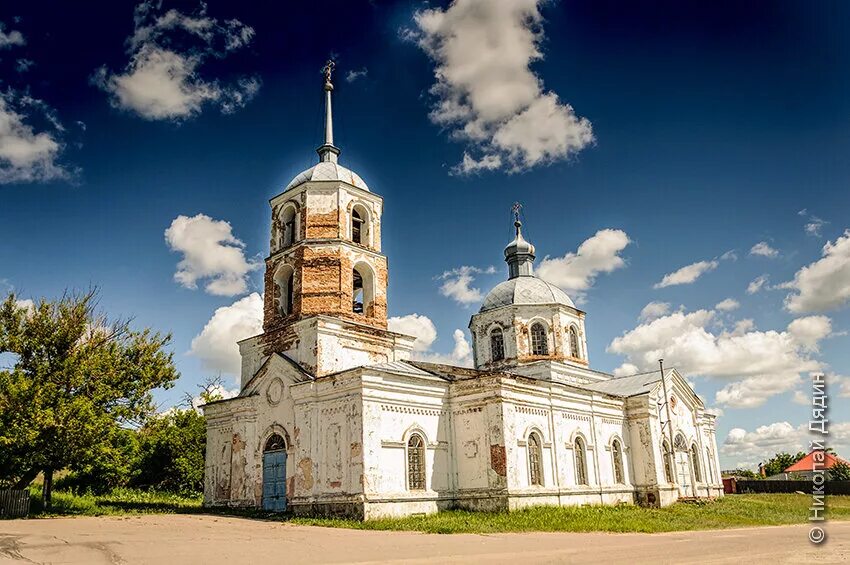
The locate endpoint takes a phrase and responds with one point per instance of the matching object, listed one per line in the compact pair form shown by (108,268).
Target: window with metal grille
(574,350)
(535,466)
(275,443)
(416,463)
(539,344)
(695,463)
(617,454)
(581,462)
(497,345)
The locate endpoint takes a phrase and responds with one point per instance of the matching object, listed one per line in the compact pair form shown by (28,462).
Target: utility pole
(672,453)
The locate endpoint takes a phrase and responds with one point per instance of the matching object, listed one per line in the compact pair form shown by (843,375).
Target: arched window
(574,349)
(695,463)
(285,281)
(617,454)
(360,225)
(668,464)
(356,226)
(539,343)
(581,461)
(535,457)
(275,443)
(497,345)
(416,462)
(362,289)
(357,292)
(287,220)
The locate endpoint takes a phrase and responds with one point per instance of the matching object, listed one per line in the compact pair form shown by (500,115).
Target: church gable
(277,367)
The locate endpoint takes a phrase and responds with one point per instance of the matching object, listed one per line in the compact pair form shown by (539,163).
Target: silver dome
(525,291)
(327,170)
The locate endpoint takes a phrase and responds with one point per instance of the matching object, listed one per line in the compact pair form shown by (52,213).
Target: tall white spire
(328,151)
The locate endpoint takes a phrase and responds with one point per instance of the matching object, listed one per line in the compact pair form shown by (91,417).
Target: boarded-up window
(581,461)
(416,463)
(617,454)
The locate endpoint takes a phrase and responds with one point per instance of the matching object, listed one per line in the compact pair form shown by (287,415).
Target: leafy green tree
(779,462)
(840,472)
(115,469)
(172,445)
(76,381)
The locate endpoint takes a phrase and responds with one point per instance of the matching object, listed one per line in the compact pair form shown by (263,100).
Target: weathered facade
(334,418)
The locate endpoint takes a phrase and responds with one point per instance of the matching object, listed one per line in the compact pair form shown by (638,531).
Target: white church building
(334,418)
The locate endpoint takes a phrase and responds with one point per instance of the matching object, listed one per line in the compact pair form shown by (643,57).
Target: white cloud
(217,391)
(12,39)
(626,369)
(423,329)
(461,354)
(27,303)
(728,305)
(654,310)
(764,441)
(210,251)
(760,363)
(577,272)
(216,345)
(764,249)
(757,284)
(352,75)
(469,164)
(162,80)
(30,140)
(688,274)
(23,65)
(416,325)
(457,284)
(814,226)
(809,331)
(825,284)
(485,90)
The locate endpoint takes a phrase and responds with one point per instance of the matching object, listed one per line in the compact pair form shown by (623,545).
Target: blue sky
(715,127)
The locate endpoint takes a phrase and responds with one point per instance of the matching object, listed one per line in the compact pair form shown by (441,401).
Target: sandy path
(203,539)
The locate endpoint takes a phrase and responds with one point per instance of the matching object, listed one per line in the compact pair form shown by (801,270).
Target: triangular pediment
(277,365)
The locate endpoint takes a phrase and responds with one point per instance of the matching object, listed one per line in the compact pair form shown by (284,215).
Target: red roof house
(809,464)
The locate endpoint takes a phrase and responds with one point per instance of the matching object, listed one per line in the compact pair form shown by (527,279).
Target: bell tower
(325,303)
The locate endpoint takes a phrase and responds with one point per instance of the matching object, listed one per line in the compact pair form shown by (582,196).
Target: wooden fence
(830,487)
(14,503)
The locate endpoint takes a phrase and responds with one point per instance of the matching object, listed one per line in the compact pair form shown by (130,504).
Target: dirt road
(231,541)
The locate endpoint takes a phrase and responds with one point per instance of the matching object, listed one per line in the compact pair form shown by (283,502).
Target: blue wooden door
(274,481)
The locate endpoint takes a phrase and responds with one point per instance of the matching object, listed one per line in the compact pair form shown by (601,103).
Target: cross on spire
(516,208)
(328,151)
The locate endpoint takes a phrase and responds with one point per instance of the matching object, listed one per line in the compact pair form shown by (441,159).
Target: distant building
(334,418)
(804,469)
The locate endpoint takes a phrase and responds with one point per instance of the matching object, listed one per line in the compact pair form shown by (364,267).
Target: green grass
(117,503)
(728,512)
